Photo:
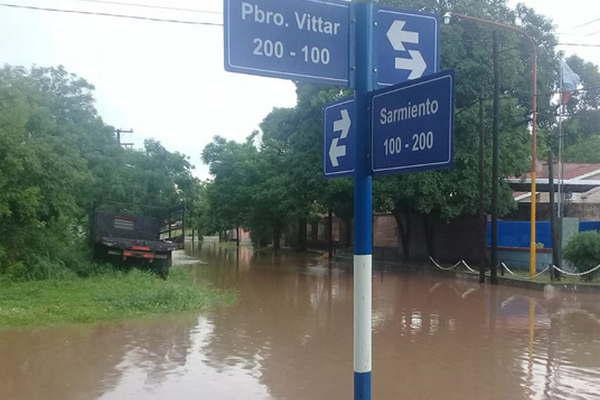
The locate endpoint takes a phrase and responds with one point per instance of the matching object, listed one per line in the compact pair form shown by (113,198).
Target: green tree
(446,195)
(57,160)
(585,151)
(581,126)
(290,161)
(583,250)
(234,172)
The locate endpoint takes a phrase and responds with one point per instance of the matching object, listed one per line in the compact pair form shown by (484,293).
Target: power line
(587,23)
(104,14)
(580,44)
(141,5)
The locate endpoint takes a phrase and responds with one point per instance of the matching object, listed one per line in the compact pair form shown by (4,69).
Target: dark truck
(132,238)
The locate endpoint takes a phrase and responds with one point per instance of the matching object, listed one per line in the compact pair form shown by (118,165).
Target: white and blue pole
(363,25)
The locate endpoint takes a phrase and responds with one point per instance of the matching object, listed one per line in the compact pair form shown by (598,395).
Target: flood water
(290,337)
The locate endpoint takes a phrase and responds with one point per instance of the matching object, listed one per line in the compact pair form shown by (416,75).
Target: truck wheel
(99,253)
(163,266)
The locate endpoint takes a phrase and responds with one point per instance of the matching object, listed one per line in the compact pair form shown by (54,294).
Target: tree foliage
(583,250)
(290,186)
(58,160)
(581,125)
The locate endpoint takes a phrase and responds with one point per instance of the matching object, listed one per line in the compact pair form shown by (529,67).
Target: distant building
(581,189)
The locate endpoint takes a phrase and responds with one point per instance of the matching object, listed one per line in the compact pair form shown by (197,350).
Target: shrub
(583,251)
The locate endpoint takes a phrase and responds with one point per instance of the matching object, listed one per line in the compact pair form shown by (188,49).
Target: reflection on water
(290,337)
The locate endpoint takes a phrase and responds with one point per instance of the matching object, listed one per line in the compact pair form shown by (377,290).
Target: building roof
(574,176)
(571,171)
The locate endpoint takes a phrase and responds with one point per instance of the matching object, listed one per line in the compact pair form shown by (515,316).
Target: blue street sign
(412,125)
(407,46)
(339,139)
(298,40)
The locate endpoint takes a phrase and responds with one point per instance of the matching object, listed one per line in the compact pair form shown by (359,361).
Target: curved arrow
(335,152)
(415,64)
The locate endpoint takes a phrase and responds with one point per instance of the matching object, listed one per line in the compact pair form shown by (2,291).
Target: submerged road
(290,337)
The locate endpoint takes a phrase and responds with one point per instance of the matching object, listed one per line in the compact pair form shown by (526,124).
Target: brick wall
(385,231)
(452,241)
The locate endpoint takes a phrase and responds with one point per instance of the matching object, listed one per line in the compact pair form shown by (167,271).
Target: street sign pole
(362,14)
(358,45)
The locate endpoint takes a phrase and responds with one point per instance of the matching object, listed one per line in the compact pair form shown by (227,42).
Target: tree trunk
(404,229)
(193,239)
(276,237)
(315,231)
(330,234)
(237,235)
(302,234)
(348,224)
(429,235)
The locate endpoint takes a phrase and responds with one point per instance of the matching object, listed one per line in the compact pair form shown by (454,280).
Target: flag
(569,82)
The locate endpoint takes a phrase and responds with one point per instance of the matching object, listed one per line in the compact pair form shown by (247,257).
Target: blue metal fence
(517,234)
(585,226)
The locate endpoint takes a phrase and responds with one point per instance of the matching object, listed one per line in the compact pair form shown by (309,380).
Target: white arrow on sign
(415,64)
(335,152)
(398,36)
(341,125)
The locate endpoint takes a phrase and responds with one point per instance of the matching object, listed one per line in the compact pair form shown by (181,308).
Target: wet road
(290,337)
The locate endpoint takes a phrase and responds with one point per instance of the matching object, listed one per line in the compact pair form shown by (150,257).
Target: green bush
(583,251)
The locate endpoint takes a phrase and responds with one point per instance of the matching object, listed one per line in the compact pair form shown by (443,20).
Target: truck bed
(157,246)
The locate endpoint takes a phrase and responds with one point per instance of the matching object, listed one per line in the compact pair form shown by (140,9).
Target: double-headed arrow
(342,125)
(398,37)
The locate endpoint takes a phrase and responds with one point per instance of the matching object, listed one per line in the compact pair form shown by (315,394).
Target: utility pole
(482,216)
(555,238)
(561,174)
(363,15)
(495,161)
(534,66)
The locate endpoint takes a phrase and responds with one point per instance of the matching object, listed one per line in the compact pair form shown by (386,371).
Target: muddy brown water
(290,337)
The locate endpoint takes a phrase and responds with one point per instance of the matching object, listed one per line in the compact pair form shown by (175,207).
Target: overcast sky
(166,81)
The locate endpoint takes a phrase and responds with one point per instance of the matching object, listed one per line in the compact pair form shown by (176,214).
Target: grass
(114,296)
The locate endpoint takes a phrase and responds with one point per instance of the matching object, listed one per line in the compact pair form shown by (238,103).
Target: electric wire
(580,44)
(588,23)
(157,7)
(178,21)
(105,14)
